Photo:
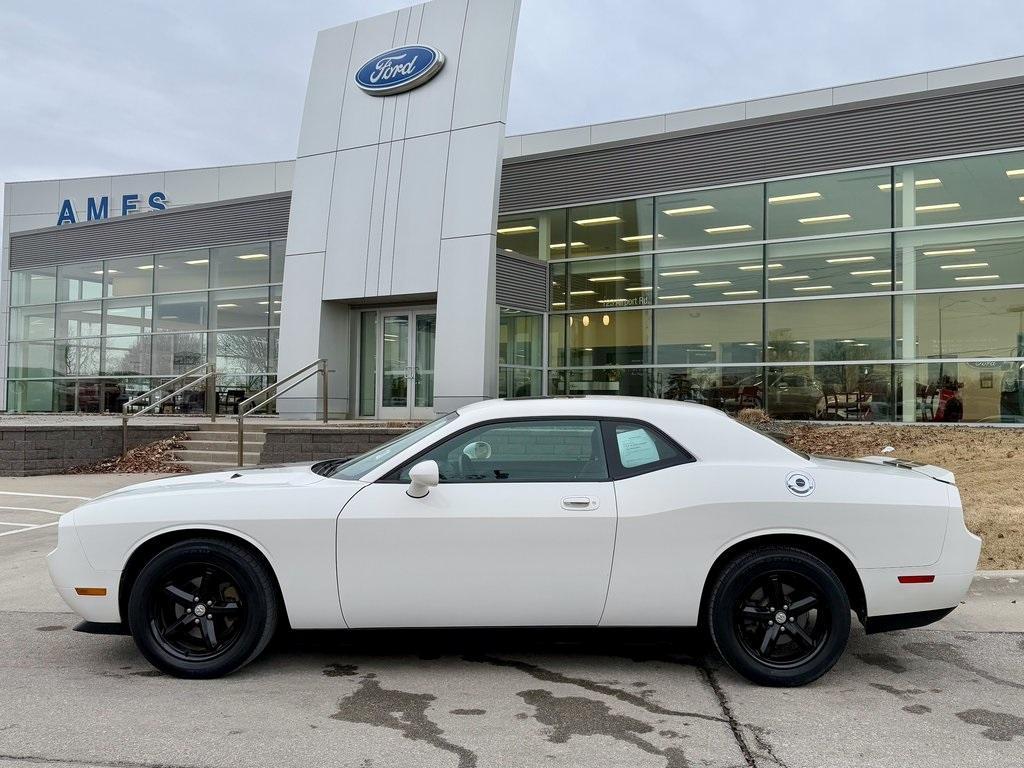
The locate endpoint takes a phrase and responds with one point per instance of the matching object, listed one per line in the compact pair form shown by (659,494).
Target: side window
(541,450)
(636,448)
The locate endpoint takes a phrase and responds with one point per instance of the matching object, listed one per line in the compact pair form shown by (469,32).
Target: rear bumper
(887,599)
(70,568)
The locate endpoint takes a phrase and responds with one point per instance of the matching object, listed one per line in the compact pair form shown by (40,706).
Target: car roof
(585,405)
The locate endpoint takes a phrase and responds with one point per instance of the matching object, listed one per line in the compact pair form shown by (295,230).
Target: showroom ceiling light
(825,219)
(712,283)
(919,184)
(639,238)
(689,211)
(850,259)
(574,244)
(611,301)
(674,297)
(951,252)
(640,288)
(1015,172)
(226,306)
(252,256)
(598,220)
(582,293)
(937,208)
(866,272)
(607,279)
(847,341)
(145,266)
(557,303)
(972,265)
(522,230)
(680,273)
(788,278)
(193,262)
(740,293)
(797,198)
(977,277)
(606,320)
(812,287)
(100,272)
(754,267)
(728,229)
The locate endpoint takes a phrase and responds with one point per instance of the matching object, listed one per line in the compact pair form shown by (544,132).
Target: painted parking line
(18,525)
(33,509)
(45,495)
(32,528)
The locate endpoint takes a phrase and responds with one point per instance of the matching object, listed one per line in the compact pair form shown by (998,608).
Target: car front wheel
(779,616)
(202,608)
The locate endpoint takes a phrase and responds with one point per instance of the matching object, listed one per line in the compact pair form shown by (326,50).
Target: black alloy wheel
(779,616)
(202,608)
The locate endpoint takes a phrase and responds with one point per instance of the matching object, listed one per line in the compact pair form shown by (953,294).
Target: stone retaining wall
(45,450)
(285,445)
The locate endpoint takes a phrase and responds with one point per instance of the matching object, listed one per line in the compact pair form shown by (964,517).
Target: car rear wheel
(202,608)
(779,616)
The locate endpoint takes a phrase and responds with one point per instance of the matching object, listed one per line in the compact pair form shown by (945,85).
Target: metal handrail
(320,369)
(209,375)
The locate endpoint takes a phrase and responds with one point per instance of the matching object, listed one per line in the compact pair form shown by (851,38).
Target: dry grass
(988,463)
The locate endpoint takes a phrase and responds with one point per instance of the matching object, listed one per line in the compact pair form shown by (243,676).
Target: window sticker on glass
(636,448)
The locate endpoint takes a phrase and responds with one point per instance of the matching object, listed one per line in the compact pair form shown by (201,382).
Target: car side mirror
(423,477)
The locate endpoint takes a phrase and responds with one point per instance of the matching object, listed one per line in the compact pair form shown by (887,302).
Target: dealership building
(854,252)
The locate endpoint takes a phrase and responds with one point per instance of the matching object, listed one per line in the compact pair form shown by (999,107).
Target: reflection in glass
(520,338)
(175,353)
(710,217)
(701,335)
(830,392)
(30,360)
(126,356)
(610,338)
(965,189)
(830,329)
(77,357)
(960,257)
(32,322)
(821,205)
(81,319)
(395,362)
(277,261)
(243,308)
(233,265)
(130,276)
(559,282)
(80,281)
(367,363)
(33,286)
(717,274)
(127,316)
(728,389)
(426,329)
(29,396)
(608,283)
(241,351)
(859,264)
(967,324)
(624,227)
(181,312)
(519,382)
(182,270)
(539,235)
(635,382)
(952,391)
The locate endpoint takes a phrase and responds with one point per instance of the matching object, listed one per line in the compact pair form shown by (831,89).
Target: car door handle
(579,502)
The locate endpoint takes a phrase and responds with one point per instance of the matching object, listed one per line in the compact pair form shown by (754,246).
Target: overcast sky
(121,86)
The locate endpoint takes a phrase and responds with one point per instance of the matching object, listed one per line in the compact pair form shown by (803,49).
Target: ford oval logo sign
(399,70)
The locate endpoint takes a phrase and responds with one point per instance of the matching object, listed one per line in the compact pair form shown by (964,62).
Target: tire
(770,644)
(202,608)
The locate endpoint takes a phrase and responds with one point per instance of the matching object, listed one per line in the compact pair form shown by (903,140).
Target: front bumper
(70,568)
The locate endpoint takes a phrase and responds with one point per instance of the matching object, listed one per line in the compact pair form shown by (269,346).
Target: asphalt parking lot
(948,695)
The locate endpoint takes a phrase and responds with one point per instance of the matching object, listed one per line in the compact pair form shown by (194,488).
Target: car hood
(289,475)
(889,465)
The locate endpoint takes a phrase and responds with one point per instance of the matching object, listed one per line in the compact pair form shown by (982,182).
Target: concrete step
(207,466)
(225,439)
(226,456)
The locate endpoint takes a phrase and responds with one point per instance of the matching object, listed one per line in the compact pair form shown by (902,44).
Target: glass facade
(891,293)
(90,335)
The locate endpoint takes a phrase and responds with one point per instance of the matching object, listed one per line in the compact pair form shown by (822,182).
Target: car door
(519,532)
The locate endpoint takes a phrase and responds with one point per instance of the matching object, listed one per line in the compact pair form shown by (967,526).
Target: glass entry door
(407,365)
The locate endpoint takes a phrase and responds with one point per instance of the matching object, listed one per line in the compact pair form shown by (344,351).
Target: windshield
(355,468)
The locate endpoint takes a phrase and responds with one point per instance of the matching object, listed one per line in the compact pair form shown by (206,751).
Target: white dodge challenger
(592,511)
